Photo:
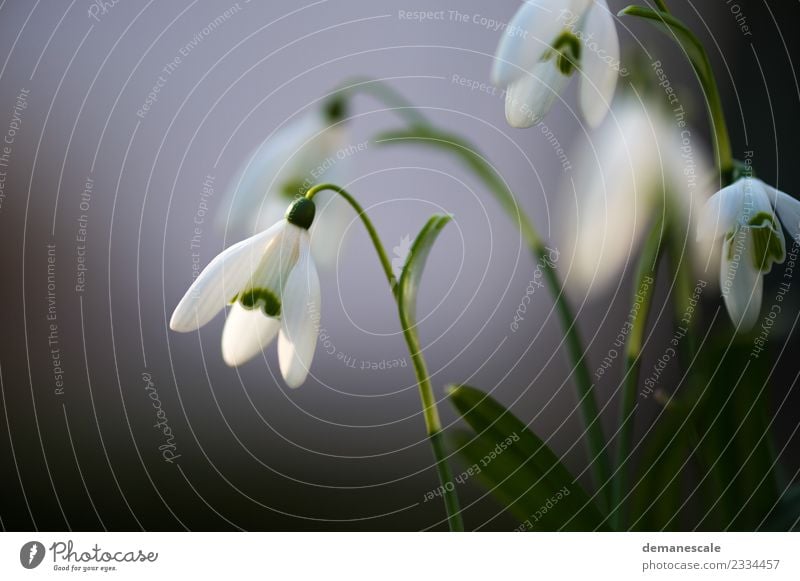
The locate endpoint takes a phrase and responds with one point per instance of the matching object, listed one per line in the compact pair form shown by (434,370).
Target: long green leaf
(408,286)
(519,468)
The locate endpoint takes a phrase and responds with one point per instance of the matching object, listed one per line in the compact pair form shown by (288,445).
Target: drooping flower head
(633,170)
(271,283)
(749,216)
(543,45)
(306,151)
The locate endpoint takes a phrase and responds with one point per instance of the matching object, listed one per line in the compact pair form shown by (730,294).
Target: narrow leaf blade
(520,469)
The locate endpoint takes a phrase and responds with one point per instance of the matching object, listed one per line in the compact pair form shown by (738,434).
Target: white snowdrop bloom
(308,151)
(748,215)
(271,282)
(543,45)
(634,168)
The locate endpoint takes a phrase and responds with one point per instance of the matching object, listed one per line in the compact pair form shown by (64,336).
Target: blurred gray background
(347,449)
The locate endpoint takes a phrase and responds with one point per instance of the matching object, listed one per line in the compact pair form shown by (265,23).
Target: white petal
(529,34)
(755,193)
(742,284)
(599,64)
(299,320)
(279,258)
(247,332)
(530,98)
(721,212)
(220,281)
(617,181)
(788,210)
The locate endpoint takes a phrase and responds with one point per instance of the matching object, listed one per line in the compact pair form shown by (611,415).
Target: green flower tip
(738,171)
(301,213)
(335,109)
(566,49)
(262,298)
(768,246)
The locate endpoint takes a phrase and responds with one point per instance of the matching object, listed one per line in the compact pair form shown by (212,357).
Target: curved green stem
(385,93)
(698,58)
(643,295)
(430,412)
(373,234)
(468,154)
(432,423)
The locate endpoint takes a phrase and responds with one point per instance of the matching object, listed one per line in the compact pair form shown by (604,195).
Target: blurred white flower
(637,166)
(746,215)
(272,284)
(303,153)
(545,42)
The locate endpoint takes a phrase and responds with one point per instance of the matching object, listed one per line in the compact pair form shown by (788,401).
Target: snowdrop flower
(635,167)
(545,42)
(303,153)
(271,282)
(748,215)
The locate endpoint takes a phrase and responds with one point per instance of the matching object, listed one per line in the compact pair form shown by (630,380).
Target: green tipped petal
(262,298)
(566,49)
(768,244)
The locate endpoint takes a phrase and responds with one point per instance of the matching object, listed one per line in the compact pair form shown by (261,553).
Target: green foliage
(408,285)
(519,469)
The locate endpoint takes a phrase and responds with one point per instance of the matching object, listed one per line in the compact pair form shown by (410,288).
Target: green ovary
(260,297)
(768,246)
(566,49)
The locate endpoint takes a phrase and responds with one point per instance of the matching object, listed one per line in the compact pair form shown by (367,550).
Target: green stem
(373,233)
(698,58)
(643,295)
(385,93)
(430,412)
(681,268)
(469,155)
(422,131)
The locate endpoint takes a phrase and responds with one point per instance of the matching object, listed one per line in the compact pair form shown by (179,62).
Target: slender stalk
(722,142)
(432,423)
(430,412)
(470,156)
(698,58)
(385,93)
(422,131)
(600,461)
(373,233)
(644,287)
